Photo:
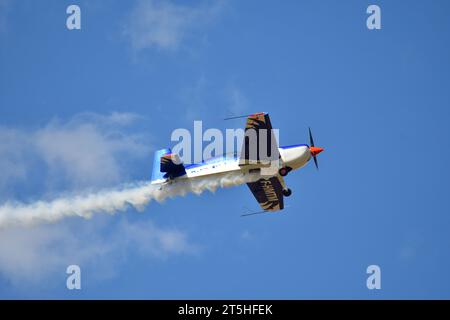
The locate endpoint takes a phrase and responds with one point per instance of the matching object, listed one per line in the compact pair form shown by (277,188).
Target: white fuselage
(293,157)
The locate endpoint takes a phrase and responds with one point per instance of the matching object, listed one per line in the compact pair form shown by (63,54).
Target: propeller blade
(316,163)
(311,141)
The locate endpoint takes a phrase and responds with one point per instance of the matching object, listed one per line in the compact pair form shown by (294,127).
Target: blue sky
(83,110)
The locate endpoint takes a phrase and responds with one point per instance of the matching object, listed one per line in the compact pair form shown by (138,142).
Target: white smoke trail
(112,201)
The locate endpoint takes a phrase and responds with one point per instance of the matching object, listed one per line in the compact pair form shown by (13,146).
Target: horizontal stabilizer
(164,167)
(170,163)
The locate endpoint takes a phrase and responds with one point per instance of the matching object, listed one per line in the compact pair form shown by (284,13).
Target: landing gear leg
(286,191)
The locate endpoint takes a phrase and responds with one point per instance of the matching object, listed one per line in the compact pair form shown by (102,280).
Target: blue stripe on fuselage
(211,161)
(294,146)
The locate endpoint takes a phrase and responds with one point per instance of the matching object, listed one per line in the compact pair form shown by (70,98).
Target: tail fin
(156,173)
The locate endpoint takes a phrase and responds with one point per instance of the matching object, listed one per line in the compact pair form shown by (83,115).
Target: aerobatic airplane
(268,190)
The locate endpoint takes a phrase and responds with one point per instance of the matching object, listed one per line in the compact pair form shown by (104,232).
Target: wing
(269,193)
(260,145)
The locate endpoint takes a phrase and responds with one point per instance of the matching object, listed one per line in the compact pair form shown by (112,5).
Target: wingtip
(246,115)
